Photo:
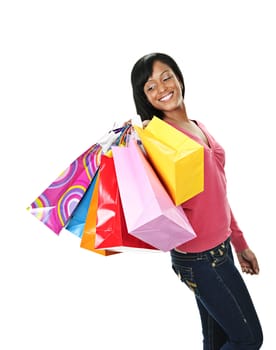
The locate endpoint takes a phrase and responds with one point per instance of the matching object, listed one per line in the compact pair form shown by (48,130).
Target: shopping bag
(177,159)
(77,220)
(55,205)
(111,230)
(89,230)
(149,211)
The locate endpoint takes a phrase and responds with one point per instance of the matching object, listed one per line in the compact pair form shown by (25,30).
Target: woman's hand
(248,261)
(145,123)
(127,122)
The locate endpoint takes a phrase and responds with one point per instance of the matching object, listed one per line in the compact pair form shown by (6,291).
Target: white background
(65,79)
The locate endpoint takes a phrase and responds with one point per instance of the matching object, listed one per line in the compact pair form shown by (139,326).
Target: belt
(221,245)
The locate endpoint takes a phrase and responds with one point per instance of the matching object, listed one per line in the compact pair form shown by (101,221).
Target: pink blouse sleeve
(237,238)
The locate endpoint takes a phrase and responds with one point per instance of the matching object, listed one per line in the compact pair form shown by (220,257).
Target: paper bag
(149,211)
(177,159)
(77,221)
(55,205)
(89,230)
(111,230)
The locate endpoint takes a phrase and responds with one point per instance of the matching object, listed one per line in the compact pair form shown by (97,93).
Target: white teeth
(166,98)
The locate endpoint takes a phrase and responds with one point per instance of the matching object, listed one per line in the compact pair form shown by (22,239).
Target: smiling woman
(148,77)
(205,264)
(163,89)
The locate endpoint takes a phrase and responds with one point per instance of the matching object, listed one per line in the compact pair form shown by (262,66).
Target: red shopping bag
(89,231)
(111,230)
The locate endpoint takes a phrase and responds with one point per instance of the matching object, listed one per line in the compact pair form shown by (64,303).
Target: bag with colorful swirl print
(55,205)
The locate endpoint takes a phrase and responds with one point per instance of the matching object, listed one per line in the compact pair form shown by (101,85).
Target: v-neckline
(193,136)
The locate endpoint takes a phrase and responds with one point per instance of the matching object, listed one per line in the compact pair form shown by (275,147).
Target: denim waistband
(201,255)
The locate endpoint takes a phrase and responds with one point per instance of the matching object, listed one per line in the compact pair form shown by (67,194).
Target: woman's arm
(247,259)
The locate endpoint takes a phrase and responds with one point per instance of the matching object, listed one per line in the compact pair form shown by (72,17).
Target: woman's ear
(180,83)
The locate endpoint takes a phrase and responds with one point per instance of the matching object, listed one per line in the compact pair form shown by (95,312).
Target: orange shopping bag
(88,238)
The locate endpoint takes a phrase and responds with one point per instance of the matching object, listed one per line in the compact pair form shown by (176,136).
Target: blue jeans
(228,317)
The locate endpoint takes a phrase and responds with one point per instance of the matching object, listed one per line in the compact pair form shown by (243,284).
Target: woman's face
(163,89)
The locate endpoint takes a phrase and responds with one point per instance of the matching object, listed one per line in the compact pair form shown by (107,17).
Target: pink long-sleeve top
(209,212)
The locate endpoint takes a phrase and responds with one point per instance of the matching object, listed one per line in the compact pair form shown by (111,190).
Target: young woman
(205,264)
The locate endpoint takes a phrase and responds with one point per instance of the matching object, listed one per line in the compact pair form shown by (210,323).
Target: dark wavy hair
(140,73)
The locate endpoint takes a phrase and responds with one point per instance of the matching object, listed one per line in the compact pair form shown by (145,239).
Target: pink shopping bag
(149,211)
(111,230)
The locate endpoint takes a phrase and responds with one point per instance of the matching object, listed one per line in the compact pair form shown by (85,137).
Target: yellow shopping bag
(177,159)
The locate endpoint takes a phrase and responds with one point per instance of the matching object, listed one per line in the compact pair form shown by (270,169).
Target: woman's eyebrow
(151,78)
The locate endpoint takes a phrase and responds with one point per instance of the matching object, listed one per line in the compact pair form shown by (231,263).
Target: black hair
(140,73)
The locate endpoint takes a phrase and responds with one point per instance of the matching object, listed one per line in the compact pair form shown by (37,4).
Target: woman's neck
(177,116)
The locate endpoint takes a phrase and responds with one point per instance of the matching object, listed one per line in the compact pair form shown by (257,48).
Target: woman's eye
(150,88)
(167,78)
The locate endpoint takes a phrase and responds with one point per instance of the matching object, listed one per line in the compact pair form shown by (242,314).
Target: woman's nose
(161,87)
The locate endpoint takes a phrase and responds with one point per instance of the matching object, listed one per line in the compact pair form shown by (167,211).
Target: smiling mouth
(166,97)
